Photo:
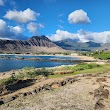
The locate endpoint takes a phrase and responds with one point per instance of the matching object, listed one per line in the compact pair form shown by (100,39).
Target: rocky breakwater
(51,59)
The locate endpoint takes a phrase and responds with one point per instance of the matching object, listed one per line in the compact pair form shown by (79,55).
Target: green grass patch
(99,55)
(60,75)
(82,69)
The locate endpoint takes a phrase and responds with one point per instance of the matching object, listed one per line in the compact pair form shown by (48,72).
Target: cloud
(61,35)
(10,32)
(103,37)
(33,27)
(1,3)
(22,16)
(40,25)
(60,26)
(2,25)
(16,29)
(82,36)
(78,17)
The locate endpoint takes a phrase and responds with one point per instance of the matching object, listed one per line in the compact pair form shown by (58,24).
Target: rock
(34,91)
(101,80)
(29,93)
(24,94)
(89,75)
(55,86)
(81,75)
(46,87)
(91,93)
(99,105)
(101,93)
(1,102)
(71,80)
(37,90)
(63,83)
(8,99)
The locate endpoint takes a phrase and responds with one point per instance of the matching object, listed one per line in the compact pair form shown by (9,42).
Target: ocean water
(9,64)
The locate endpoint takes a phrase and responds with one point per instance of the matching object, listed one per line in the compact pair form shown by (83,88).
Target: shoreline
(75,55)
(8,73)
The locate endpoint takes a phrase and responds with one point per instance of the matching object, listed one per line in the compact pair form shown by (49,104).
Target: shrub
(10,80)
(43,71)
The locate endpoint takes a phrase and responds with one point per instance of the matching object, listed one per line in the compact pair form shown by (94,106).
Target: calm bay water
(9,64)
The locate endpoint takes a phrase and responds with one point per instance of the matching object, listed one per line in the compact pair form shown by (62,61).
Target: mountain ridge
(82,46)
(32,45)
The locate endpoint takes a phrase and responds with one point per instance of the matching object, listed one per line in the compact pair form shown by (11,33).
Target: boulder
(101,79)
(8,99)
(63,83)
(34,92)
(55,86)
(1,102)
(47,87)
(101,93)
(99,105)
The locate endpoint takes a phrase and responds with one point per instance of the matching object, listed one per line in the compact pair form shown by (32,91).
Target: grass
(60,75)
(102,55)
(85,71)
(25,73)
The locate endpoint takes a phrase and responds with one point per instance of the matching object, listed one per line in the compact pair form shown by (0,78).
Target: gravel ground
(76,96)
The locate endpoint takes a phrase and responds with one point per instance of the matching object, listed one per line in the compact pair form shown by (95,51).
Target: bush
(43,71)
(10,80)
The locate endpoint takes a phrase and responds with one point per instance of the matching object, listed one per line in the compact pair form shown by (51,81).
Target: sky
(81,20)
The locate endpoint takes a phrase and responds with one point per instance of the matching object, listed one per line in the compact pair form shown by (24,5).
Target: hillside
(70,44)
(32,45)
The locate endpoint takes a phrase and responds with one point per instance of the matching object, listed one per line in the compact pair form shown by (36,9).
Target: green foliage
(32,72)
(100,55)
(49,53)
(43,71)
(82,66)
(66,53)
(8,81)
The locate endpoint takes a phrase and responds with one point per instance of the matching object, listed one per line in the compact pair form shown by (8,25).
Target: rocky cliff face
(32,45)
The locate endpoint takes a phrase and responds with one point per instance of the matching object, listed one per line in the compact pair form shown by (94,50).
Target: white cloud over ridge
(33,27)
(10,32)
(61,35)
(78,17)
(82,36)
(1,3)
(22,16)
